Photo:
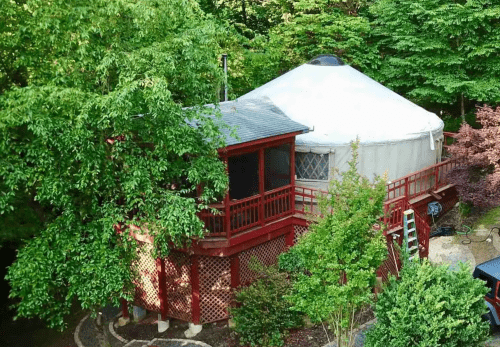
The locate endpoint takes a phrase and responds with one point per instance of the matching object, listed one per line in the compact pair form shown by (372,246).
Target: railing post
(227,216)
(261,186)
(407,188)
(436,177)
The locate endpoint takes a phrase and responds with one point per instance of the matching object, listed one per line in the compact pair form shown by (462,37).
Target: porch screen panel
(243,175)
(277,167)
(311,166)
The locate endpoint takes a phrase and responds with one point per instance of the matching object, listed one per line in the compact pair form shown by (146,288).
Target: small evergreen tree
(334,264)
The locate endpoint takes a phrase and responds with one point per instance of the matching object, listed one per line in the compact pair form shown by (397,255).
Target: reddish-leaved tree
(477,178)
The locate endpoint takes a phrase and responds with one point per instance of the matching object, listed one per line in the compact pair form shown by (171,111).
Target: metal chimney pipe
(224,60)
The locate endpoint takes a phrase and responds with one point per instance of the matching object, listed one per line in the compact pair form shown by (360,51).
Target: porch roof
(254,120)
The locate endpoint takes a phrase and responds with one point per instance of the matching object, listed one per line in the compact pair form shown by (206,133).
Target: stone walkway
(88,334)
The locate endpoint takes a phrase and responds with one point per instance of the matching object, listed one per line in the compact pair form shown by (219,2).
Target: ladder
(410,234)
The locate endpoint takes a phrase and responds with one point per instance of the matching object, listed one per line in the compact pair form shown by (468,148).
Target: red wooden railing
(421,182)
(250,212)
(258,210)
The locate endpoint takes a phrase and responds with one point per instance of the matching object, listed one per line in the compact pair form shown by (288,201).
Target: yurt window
(311,166)
(276,167)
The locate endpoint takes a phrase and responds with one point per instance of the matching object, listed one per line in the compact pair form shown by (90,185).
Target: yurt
(339,104)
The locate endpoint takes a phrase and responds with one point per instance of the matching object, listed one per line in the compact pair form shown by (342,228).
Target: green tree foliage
(316,27)
(335,263)
(99,137)
(263,315)
(430,306)
(438,51)
(250,17)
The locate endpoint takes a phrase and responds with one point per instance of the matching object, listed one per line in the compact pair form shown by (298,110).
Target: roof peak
(326,60)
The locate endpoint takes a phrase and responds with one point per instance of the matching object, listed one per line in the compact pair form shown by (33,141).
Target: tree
(430,306)
(477,178)
(335,263)
(439,52)
(99,137)
(314,27)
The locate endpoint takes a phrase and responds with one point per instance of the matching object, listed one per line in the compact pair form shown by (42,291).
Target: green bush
(430,306)
(263,316)
(334,265)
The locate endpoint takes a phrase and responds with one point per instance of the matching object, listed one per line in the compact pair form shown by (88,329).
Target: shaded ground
(28,332)
(479,245)
(220,335)
(214,334)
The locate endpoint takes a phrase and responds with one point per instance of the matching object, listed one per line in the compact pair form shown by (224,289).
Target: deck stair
(410,233)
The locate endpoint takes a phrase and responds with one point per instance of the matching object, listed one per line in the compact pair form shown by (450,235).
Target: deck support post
(235,271)
(289,238)
(162,287)
(195,290)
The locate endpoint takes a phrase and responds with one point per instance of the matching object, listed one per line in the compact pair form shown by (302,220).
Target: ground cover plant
(430,306)
(334,264)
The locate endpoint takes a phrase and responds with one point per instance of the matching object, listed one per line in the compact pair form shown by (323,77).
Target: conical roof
(341,104)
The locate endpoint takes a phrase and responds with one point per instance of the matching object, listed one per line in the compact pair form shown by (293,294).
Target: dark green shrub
(430,306)
(263,316)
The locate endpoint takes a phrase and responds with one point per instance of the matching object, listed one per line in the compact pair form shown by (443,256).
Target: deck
(227,223)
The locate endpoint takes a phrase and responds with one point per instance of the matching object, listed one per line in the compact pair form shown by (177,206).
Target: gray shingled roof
(256,119)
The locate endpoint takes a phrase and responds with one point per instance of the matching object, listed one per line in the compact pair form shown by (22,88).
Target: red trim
(162,287)
(251,145)
(195,293)
(247,240)
(235,271)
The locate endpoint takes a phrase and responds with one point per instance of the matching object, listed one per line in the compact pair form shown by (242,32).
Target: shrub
(430,306)
(263,316)
(334,265)
(477,179)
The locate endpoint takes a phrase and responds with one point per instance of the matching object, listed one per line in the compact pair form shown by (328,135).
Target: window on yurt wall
(312,166)
(276,167)
(243,175)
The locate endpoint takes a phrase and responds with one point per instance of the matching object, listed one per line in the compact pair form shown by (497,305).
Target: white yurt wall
(339,104)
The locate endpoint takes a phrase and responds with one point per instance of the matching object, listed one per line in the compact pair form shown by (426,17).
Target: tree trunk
(244,11)
(462,108)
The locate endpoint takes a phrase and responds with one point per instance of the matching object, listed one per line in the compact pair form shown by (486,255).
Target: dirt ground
(220,335)
(477,246)
(481,242)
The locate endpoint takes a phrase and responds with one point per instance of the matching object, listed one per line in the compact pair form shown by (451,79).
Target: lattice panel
(215,288)
(178,278)
(267,253)
(299,230)
(146,286)
(311,166)
(390,265)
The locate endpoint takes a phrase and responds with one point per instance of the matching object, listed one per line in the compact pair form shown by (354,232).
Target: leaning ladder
(410,234)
